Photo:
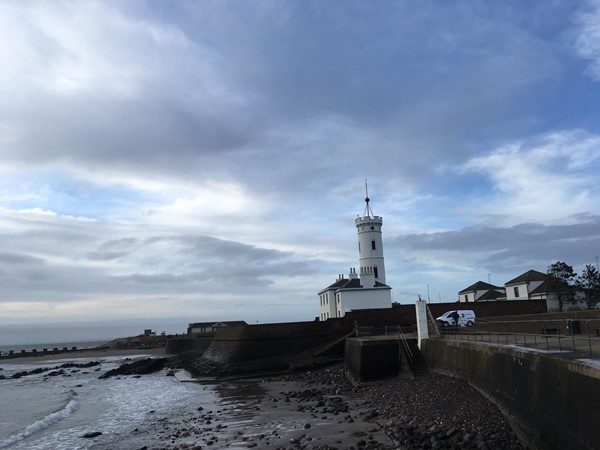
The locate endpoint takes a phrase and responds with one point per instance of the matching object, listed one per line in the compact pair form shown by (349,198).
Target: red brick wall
(405,314)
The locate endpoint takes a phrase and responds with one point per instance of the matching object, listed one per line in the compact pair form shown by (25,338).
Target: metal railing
(383,330)
(577,335)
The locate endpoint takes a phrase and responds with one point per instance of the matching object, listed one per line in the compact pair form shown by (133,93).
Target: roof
(530,275)
(218,322)
(480,286)
(491,295)
(552,284)
(351,283)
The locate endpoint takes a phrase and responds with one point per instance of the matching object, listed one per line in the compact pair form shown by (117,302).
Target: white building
(366,289)
(481,292)
(532,285)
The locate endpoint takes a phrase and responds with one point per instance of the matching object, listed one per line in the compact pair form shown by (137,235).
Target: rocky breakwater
(135,342)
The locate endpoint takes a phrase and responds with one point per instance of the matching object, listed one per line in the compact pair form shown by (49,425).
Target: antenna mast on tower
(368,212)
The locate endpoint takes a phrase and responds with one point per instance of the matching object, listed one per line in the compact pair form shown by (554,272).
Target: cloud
(543,178)
(115,249)
(587,40)
(202,155)
(13,258)
(506,250)
(215,95)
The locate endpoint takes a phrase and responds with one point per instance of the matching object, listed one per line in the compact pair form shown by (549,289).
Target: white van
(466,317)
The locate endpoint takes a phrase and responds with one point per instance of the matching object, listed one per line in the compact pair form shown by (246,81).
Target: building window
(359,246)
(516,291)
(467,298)
(375,271)
(372,245)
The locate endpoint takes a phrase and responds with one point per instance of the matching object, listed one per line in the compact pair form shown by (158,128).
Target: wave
(69,408)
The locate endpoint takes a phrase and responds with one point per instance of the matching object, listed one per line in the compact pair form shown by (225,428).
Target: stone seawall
(197,345)
(252,342)
(551,401)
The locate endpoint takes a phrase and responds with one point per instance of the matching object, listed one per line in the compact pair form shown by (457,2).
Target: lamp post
(428,299)
(597,263)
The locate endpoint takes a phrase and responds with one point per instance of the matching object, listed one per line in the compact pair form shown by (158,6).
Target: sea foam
(41,424)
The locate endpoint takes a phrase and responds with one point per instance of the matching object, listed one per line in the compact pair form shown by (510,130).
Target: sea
(41,411)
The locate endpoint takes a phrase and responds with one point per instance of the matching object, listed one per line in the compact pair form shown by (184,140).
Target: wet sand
(321,410)
(275,414)
(314,410)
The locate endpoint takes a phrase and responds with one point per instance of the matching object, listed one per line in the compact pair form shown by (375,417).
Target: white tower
(366,289)
(370,246)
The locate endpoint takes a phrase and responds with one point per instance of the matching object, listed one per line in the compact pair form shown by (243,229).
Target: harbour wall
(232,344)
(252,342)
(405,314)
(194,344)
(551,402)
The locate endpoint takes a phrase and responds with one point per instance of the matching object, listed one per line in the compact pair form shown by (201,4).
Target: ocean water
(54,412)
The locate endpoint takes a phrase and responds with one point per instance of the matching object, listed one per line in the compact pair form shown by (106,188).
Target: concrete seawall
(197,345)
(252,342)
(551,401)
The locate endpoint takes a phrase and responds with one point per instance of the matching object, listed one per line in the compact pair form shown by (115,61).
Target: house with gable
(481,292)
(210,328)
(533,285)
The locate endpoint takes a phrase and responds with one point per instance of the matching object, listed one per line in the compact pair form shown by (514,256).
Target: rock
(142,367)
(92,434)
(434,429)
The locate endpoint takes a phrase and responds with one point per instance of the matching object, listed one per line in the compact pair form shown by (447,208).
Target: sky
(205,160)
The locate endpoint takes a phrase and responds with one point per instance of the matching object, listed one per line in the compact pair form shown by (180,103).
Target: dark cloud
(155,155)
(115,249)
(516,248)
(236,99)
(14,258)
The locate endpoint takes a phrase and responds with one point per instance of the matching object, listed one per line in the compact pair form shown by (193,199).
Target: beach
(317,409)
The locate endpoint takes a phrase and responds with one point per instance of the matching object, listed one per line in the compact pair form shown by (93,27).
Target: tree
(589,279)
(563,272)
